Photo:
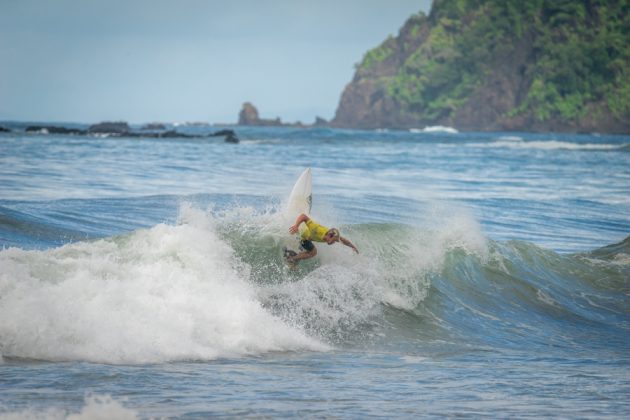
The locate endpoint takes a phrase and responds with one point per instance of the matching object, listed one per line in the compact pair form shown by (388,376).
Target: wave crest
(216,286)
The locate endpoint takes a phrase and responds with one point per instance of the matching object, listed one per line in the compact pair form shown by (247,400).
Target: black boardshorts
(307,245)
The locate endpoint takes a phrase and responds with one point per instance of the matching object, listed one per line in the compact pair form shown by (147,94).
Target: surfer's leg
(304,255)
(308,251)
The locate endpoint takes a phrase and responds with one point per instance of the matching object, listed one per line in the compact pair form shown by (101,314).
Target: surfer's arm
(300,219)
(347,242)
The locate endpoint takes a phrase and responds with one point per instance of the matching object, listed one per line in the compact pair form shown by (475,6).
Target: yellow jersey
(313,231)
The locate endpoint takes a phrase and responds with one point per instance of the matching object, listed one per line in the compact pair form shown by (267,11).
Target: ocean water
(143,277)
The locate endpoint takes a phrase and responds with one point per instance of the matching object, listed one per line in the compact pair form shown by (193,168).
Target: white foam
(620,259)
(96,407)
(545,298)
(434,129)
(511,138)
(448,227)
(262,141)
(103,407)
(518,143)
(165,293)
(414,359)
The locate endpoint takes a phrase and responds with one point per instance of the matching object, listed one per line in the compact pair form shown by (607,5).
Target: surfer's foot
(288,257)
(288,253)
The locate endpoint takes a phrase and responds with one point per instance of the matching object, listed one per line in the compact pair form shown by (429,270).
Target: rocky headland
(499,65)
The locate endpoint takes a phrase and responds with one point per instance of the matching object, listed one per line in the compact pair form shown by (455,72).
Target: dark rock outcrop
(109,127)
(153,126)
(4,130)
(230,135)
(248,116)
(320,122)
(51,129)
(170,134)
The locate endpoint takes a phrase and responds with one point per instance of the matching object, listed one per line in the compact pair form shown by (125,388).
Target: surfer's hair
(334,232)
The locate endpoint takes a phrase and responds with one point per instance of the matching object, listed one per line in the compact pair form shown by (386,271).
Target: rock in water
(109,127)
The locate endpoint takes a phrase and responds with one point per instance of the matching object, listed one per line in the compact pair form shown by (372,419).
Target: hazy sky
(186,60)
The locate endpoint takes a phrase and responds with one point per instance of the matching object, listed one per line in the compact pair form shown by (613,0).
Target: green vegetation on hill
(377,55)
(578,57)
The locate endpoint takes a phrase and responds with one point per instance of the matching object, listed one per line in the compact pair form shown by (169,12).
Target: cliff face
(536,65)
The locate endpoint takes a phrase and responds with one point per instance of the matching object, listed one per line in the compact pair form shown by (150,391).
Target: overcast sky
(186,60)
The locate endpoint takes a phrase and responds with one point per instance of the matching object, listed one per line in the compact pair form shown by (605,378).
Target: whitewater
(144,278)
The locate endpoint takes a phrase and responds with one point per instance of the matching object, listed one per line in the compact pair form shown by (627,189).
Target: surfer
(313,232)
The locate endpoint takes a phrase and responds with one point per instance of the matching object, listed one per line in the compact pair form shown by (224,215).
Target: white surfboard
(301,197)
(300,201)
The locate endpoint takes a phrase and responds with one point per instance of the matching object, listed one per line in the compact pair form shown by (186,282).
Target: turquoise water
(144,277)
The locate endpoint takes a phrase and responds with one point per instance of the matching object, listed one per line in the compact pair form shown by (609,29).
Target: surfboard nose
(301,198)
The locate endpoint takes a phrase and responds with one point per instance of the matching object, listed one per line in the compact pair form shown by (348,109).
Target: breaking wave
(519,143)
(95,407)
(215,285)
(434,129)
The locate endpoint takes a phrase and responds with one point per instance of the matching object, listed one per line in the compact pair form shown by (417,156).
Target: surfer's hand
(347,243)
(293,229)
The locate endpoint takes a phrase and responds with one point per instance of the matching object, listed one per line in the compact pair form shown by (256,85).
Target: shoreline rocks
(53,129)
(230,136)
(123,129)
(110,127)
(153,126)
